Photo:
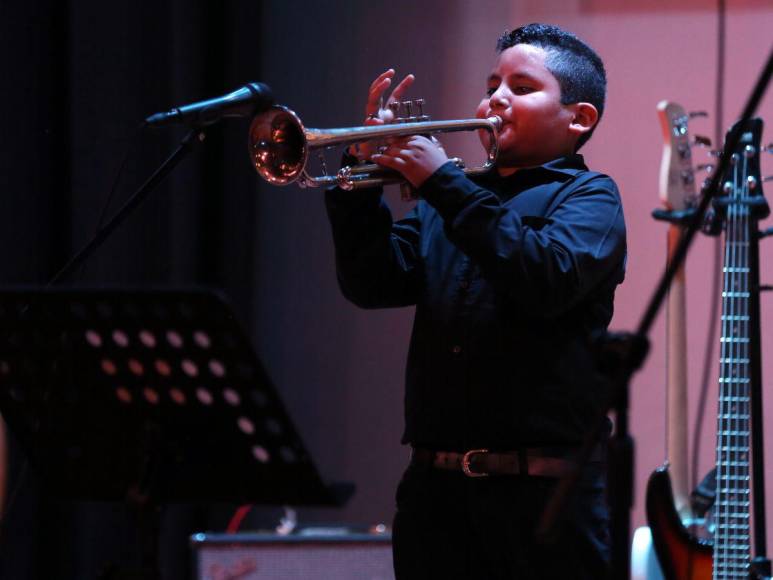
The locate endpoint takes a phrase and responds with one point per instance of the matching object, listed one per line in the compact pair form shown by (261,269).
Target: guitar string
(731,485)
(746,418)
(744,386)
(727,563)
(731,346)
(724,452)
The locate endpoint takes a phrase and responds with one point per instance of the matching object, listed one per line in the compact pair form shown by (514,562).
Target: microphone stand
(194,137)
(251,99)
(619,356)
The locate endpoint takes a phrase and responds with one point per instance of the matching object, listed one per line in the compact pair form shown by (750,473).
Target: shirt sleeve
(548,266)
(376,258)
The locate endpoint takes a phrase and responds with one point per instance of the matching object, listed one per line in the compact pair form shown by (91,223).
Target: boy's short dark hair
(578,69)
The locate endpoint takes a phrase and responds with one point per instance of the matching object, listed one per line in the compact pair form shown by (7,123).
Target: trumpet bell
(277,146)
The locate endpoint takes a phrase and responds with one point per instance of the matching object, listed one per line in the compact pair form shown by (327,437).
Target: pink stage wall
(340,369)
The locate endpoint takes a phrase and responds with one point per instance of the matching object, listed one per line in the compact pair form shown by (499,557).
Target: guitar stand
(680,217)
(147,397)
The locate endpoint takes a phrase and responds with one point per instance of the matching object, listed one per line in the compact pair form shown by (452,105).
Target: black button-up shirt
(510,276)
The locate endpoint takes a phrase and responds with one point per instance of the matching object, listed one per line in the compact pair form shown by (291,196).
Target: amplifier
(309,556)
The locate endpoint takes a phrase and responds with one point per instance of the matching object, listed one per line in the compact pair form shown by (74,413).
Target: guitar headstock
(742,176)
(677,178)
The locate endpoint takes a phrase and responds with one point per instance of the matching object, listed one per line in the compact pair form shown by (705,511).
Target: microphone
(246,101)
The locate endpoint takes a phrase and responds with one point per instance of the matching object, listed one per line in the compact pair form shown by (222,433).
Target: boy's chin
(512,159)
(516,160)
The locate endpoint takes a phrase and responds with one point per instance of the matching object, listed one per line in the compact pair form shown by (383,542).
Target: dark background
(78,79)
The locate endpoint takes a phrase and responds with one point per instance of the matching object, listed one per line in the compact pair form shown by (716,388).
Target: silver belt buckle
(466,458)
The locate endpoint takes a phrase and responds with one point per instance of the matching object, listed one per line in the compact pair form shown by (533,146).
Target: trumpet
(279,147)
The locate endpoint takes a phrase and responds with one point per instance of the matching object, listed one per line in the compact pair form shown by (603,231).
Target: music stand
(150,396)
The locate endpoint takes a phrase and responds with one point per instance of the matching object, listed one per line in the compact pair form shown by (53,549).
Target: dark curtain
(78,79)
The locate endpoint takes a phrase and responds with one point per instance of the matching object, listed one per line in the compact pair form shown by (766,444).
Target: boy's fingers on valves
(376,108)
(377,111)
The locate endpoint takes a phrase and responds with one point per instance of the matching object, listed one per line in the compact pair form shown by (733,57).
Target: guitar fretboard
(732,534)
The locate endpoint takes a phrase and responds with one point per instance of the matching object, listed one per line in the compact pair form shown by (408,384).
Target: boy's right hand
(377,111)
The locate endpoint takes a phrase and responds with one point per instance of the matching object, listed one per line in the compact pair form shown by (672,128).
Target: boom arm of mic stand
(194,137)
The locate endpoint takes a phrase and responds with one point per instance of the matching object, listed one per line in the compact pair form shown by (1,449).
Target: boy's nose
(498,101)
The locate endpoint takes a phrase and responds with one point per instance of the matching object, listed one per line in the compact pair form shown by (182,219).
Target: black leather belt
(482,462)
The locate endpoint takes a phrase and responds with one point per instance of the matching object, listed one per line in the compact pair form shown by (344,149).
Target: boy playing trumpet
(510,273)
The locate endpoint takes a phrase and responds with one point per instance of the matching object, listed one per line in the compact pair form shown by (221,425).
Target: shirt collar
(567,167)
(570,164)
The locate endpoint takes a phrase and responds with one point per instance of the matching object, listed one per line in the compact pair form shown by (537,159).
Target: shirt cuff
(447,189)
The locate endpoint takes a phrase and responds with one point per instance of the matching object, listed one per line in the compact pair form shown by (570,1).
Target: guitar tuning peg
(707,167)
(701,141)
(694,114)
(684,150)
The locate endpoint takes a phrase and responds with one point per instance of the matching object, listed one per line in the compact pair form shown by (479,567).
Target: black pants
(449,526)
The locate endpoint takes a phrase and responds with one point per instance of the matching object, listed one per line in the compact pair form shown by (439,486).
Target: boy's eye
(523,90)
(490,91)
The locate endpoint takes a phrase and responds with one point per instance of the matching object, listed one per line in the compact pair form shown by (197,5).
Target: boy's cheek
(480,112)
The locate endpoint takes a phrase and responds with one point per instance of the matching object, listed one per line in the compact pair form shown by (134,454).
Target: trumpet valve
(395,108)
(421,117)
(344,178)
(408,109)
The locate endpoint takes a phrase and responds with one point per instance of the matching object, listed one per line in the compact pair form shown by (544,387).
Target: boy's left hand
(416,157)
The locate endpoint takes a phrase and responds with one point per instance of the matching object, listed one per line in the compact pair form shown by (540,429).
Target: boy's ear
(584,119)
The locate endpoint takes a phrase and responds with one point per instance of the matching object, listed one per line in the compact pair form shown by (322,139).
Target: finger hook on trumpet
(279,147)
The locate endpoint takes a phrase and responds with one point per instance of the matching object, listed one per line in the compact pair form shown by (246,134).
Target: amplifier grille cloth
(296,561)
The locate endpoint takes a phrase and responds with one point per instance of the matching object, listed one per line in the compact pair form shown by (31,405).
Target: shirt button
(456,349)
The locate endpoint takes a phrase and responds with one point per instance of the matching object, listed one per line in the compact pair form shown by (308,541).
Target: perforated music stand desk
(149,396)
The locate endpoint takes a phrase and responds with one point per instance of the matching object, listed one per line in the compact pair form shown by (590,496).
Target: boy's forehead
(520,60)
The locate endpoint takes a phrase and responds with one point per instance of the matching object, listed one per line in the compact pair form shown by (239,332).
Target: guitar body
(682,555)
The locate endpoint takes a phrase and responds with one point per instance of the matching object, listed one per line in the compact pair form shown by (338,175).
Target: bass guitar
(678,196)
(682,555)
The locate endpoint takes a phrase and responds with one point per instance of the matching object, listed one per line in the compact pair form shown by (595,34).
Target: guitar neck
(732,534)
(677,191)
(676,387)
